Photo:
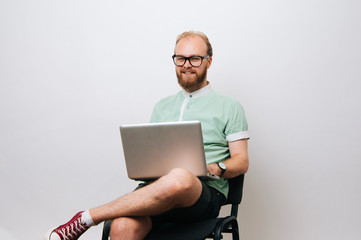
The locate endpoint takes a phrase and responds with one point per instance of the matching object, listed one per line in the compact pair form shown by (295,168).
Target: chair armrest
(223,225)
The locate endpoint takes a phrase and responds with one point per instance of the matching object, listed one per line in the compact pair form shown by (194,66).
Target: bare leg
(179,188)
(135,228)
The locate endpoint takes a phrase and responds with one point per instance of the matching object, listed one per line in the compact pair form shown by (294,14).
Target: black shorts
(207,206)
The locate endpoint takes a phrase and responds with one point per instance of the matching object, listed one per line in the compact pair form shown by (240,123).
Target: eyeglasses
(194,61)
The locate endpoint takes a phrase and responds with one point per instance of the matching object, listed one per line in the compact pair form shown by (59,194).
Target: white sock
(87,218)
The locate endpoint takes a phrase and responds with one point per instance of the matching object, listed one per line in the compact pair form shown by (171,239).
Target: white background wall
(72,71)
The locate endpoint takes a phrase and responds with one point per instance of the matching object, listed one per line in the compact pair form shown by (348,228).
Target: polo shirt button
(190,96)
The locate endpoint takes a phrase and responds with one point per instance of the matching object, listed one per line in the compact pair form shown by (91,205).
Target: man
(179,195)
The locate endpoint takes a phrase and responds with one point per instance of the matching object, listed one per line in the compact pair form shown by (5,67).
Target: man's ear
(209,62)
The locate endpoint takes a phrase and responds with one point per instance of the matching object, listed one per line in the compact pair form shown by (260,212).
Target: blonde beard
(194,85)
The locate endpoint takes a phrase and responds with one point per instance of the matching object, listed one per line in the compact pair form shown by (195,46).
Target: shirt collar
(199,93)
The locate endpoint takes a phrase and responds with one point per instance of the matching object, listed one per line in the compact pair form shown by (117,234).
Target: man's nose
(187,63)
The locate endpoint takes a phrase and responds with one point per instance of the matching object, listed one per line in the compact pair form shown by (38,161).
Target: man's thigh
(207,206)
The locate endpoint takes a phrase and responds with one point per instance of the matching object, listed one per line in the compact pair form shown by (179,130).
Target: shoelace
(72,231)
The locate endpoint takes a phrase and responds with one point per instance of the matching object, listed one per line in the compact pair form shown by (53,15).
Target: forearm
(237,164)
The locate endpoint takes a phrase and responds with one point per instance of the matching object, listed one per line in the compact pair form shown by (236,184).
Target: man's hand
(214,169)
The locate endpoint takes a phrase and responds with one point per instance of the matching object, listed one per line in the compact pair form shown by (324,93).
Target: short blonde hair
(199,34)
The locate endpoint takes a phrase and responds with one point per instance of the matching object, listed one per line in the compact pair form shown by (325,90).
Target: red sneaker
(68,231)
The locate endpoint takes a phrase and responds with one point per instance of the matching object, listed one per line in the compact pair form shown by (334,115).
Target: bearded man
(179,195)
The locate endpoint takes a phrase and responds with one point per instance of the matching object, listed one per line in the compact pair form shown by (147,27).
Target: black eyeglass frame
(189,60)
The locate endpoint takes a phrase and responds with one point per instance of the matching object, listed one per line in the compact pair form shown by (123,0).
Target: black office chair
(211,228)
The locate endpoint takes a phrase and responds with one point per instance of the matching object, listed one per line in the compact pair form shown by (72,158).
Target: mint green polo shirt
(222,119)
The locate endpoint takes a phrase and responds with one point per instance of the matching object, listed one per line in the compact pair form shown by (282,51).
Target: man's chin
(190,86)
(191,82)
(187,81)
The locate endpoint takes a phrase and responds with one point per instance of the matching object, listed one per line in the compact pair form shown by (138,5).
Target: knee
(181,180)
(130,228)
(119,228)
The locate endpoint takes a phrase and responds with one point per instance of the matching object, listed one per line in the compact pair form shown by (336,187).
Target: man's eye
(195,59)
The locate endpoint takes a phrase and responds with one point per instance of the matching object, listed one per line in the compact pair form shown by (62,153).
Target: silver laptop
(151,150)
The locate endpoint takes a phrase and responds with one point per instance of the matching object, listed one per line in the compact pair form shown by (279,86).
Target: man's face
(192,78)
